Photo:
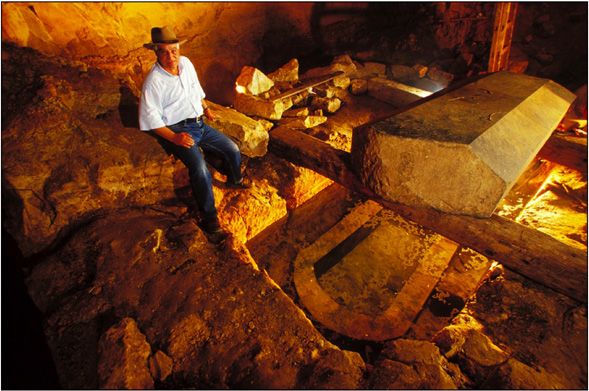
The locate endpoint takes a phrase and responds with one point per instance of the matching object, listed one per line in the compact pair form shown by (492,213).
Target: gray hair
(156,45)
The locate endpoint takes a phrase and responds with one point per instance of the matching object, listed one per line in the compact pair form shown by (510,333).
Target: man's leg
(200,177)
(213,140)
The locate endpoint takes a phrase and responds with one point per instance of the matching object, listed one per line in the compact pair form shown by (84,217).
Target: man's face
(168,55)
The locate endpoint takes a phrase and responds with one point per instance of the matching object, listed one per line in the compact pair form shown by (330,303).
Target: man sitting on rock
(172,107)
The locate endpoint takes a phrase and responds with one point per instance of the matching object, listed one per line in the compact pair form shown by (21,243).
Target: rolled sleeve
(150,109)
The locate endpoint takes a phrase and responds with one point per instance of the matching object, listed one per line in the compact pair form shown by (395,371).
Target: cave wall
(222,37)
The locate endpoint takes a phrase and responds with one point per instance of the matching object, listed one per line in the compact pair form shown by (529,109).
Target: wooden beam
(529,252)
(307,84)
(503,27)
(569,151)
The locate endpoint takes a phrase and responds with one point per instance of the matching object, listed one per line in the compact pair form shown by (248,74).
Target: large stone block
(250,135)
(461,152)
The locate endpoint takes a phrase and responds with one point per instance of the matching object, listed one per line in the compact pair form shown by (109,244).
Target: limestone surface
(225,323)
(123,362)
(461,152)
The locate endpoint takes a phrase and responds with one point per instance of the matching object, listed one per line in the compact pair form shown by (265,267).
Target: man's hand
(209,114)
(183,140)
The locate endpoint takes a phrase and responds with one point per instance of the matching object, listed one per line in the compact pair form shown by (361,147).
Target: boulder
(252,105)
(252,81)
(250,135)
(289,72)
(461,152)
(123,358)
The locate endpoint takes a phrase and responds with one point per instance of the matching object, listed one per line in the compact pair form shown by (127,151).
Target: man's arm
(181,139)
(207,111)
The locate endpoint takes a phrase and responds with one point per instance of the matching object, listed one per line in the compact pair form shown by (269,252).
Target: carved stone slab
(462,151)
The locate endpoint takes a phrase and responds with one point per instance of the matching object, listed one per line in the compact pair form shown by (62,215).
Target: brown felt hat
(162,35)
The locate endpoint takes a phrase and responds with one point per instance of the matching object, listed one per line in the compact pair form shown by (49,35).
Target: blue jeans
(209,139)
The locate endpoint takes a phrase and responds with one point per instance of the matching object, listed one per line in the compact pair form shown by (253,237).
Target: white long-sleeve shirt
(167,99)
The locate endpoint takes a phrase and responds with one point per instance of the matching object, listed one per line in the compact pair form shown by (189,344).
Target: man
(172,107)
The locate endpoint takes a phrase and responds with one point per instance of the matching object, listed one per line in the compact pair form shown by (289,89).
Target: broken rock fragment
(304,122)
(296,112)
(252,105)
(324,91)
(330,105)
(289,72)
(252,81)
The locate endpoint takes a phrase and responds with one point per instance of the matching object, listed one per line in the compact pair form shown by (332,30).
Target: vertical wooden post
(503,27)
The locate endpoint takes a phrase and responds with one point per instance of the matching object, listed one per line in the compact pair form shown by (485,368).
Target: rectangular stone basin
(461,152)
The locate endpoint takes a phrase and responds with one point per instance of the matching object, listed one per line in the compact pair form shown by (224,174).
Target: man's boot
(213,230)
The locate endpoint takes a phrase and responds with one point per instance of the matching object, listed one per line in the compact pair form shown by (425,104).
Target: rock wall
(222,37)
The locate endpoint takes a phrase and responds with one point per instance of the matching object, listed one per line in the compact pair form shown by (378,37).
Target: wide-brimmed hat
(162,35)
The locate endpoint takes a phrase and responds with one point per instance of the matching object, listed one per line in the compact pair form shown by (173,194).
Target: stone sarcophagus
(462,151)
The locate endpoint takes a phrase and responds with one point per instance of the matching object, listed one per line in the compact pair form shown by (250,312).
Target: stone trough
(370,275)
(461,152)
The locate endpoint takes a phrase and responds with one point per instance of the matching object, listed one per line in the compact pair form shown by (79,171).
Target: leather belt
(188,121)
